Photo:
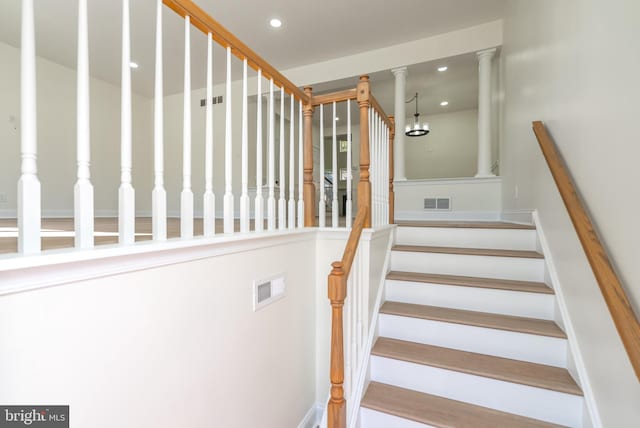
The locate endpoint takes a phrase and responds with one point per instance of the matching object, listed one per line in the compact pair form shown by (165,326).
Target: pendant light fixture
(418,129)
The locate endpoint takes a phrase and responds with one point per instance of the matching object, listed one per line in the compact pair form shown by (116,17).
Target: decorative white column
(484,112)
(400,115)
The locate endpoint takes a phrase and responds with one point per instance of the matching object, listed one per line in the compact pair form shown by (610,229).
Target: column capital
(486,53)
(399,71)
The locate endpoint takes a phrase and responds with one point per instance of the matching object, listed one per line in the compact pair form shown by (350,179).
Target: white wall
(450,150)
(471,198)
(569,63)
(56,92)
(151,349)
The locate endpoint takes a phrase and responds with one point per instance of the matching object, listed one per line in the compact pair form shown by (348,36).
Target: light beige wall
(174,346)
(56,92)
(571,64)
(450,150)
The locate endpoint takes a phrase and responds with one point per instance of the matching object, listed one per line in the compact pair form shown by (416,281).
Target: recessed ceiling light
(133,64)
(337,119)
(444,103)
(443,68)
(275,23)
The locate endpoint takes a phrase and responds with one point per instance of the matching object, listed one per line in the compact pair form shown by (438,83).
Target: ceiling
(312,31)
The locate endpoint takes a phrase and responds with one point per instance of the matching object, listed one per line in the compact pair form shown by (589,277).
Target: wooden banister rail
(378,108)
(336,411)
(205,23)
(621,310)
(348,94)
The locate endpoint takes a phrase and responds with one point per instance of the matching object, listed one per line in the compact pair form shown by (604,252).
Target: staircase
(467,336)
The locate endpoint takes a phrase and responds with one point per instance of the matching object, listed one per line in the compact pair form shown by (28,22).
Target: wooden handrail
(205,23)
(621,310)
(336,411)
(376,105)
(347,94)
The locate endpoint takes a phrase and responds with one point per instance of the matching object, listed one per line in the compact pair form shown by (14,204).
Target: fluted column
(484,112)
(400,116)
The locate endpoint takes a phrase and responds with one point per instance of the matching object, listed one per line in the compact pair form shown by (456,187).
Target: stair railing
(336,408)
(377,130)
(612,289)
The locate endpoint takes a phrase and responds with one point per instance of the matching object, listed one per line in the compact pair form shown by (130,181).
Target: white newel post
(209,198)
(484,112)
(83,190)
(186,196)
(159,194)
(126,194)
(400,115)
(28,185)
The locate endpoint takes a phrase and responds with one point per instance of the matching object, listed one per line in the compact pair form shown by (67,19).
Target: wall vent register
(267,291)
(439,204)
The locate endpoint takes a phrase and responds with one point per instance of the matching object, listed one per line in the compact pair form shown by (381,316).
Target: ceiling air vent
(437,204)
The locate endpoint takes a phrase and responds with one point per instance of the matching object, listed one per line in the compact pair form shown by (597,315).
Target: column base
(485,175)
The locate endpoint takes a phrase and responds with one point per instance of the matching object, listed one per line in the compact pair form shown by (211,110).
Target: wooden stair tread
(470,281)
(478,319)
(441,412)
(470,251)
(467,224)
(504,369)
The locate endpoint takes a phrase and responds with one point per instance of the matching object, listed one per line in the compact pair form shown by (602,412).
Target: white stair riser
(374,419)
(513,239)
(506,302)
(533,348)
(538,403)
(458,264)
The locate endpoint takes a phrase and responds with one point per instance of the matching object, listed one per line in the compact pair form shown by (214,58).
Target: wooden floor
(59,233)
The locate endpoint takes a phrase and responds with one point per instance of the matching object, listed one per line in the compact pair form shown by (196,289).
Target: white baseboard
(518,216)
(447,215)
(312,418)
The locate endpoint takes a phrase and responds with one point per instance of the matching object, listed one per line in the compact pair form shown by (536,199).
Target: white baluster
(386,178)
(334,156)
(186,197)
(300,169)
(349,205)
(321,206)
(282,205)
(159,195)
(126,194)
(292,167)
(228,158)
(83,190)
(258,213)
(244,197)
(271,200)
(28,184)
(377,148)
(209,199)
